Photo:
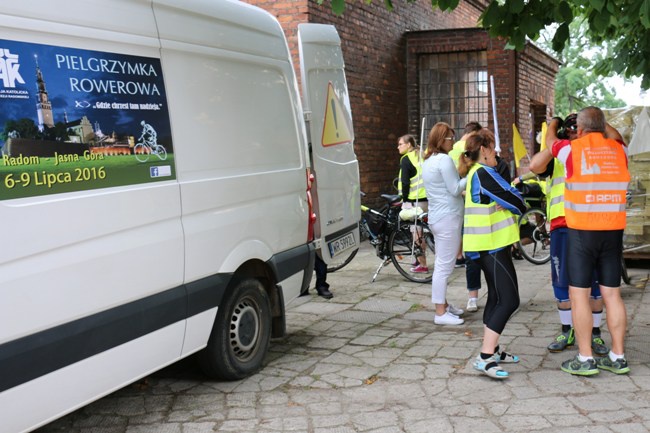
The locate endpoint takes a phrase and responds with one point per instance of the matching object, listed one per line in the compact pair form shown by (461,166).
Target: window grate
(453,89)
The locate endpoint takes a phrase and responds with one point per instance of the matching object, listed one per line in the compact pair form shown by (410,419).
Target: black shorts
(589,250)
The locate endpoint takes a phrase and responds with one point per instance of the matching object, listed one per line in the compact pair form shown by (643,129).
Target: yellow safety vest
(456,151)
(416,187)
(555,195)
(486,228)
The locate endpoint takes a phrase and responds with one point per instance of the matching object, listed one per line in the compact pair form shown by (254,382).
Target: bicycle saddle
(392,198)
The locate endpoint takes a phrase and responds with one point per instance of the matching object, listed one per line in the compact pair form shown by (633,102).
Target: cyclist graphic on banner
(148,144)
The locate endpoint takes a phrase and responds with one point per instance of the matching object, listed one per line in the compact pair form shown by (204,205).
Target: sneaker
(447,319)
(563,341)
(490,367)
(619,366)
(574,366)
(460,263)
(471,305)
(419,269)
(598,346)
(455,310)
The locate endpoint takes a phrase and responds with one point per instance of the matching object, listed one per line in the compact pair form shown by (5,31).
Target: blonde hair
(473,144)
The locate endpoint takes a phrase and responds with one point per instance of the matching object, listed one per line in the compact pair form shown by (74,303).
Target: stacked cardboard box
(636,239)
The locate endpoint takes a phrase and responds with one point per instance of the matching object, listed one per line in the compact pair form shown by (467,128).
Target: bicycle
(535,246)
(144,148)
(395,241)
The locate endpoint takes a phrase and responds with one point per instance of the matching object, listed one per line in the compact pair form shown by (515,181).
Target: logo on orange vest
(335,127)
(603,198)
(593,169)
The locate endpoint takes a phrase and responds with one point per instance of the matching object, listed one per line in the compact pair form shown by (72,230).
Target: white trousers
(447,236)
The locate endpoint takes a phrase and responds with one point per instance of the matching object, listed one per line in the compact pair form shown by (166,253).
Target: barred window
(453,89)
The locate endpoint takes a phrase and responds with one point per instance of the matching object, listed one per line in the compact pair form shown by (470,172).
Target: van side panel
(82,255)
(101,286)
(242,182)
(45,399)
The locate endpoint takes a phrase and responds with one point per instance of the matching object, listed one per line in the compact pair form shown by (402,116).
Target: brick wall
(374,48)
(520,81)
(536,83)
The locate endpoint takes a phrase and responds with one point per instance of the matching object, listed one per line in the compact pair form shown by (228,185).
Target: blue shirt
(487,187)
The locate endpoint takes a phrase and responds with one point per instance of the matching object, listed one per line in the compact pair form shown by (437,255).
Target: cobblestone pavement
(371,360)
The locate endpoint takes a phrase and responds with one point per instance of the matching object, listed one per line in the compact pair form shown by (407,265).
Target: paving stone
(518,423)
(369,340)
(372,361)
(198,427)
(361,317)
(629,428)
(384,305)
(373,420)
(155,428)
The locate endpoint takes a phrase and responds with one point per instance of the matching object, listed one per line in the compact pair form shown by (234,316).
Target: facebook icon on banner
(160,171)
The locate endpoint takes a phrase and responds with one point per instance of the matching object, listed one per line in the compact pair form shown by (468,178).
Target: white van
(155,191)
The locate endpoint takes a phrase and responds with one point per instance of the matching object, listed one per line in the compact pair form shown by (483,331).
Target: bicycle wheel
(161,152)
(535,243)
(340,262)
(624,274)
(404,252)
(141,152)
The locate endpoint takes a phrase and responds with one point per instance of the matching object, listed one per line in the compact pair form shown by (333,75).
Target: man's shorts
(559,265)
(599,250)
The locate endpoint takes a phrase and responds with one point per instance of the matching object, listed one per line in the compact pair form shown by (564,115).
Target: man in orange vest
(594,202)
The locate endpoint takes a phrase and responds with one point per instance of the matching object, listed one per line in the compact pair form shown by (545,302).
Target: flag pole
(494,116)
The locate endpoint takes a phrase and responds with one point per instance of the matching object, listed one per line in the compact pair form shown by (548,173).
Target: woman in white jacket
(443,187)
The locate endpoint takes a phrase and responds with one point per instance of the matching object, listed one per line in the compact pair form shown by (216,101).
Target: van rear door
(329,124)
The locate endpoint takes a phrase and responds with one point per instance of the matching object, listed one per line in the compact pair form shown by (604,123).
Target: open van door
(329,124)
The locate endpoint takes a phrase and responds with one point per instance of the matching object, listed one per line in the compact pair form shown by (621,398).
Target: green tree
(576,84)
(625,23)
(25,128)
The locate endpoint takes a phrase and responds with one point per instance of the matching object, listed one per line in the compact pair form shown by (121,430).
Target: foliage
(576,84)
(24,127)
(626,23)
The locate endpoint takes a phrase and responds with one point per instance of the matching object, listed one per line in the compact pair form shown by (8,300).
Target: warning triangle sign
(335,127)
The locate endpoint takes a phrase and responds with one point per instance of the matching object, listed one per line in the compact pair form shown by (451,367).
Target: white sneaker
(455,310)
(447,319)
(471,305)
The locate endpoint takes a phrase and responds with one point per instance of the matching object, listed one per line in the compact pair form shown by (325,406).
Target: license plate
(344,243)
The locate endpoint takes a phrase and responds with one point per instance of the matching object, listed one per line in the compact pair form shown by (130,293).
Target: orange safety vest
(594,195)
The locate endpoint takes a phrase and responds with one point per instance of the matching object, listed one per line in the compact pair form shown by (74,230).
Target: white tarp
(640,142)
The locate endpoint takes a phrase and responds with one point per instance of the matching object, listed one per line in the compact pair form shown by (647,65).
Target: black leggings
(503,290)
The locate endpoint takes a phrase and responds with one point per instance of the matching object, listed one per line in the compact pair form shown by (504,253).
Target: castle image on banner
(82,135)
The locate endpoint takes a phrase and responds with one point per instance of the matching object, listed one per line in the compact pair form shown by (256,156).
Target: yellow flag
(518,145)
(542,144)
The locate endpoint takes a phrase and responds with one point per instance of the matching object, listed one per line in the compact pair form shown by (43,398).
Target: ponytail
(473,144)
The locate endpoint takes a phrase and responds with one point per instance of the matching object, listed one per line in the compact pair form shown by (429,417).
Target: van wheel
(241,333)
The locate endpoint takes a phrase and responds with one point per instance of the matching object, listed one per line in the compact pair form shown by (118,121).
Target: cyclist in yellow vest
(594,204)
(411,186)
(545,165)
(490,228)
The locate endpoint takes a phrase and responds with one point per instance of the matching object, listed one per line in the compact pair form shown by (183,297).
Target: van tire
(241,333)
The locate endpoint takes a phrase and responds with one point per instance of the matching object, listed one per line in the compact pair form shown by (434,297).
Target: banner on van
(73,119)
